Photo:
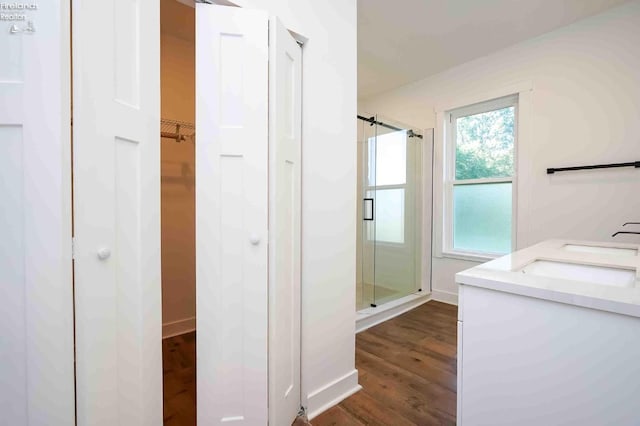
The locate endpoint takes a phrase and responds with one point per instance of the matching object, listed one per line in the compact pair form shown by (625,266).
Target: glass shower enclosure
(390,211)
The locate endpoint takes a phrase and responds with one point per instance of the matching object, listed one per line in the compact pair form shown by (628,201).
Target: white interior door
(231,214)
(116,138)
(285,83)
(36,288)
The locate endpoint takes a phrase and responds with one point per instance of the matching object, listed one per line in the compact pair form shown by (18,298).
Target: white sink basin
(617,277)
(615,251)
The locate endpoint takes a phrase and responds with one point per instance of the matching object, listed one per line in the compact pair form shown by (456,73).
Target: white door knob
(104,253)
(254,239)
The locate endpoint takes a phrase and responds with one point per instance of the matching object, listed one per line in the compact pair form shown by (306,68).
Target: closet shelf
(180,131)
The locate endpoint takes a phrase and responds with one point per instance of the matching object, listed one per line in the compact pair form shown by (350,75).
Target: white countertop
(504,274)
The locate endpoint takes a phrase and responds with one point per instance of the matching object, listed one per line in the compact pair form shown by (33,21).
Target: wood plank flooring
(407,368)
(179,372)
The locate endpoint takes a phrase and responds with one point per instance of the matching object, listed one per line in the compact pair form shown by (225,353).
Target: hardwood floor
(407,368)
(179,373)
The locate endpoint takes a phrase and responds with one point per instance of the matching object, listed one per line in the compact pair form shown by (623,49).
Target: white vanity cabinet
(535,349)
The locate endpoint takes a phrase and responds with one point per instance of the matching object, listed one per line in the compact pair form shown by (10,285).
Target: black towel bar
(635,164)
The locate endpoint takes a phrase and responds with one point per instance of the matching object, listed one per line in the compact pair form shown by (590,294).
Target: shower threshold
(369,317)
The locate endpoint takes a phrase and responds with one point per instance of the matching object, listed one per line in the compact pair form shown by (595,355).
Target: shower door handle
(368,209)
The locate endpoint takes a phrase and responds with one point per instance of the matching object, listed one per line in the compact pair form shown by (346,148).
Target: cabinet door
(231,214)
(529,362)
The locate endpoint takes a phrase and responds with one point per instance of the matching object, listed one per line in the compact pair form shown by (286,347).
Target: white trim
(481,181)
(67,388)
(438,182)
(514,176)
(332,394)
(176,328)
(459,374)
(484,106)
(523,168)
(445,297)
(455,102)
(370,317)
(470,256)
(427,188)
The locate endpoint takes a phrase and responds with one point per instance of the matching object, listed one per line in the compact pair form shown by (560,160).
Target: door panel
(36,288)
(398,235)
(117,212)
(391,243)
(284,224)
(366,213)
(231,214)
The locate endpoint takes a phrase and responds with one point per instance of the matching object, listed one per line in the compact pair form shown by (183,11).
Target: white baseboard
(332,394)
(445,297)
(370,317)
(175,328)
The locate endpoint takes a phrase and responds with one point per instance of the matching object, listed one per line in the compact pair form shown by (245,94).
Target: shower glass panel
(366,213)
(389,241)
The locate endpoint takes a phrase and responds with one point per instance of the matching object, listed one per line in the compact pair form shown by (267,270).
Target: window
(480,170)
(387,183)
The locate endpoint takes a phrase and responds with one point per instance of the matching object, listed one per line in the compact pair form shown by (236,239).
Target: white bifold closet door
(231,214)
(36,288)
(247,218)
(116,139)
(285,127)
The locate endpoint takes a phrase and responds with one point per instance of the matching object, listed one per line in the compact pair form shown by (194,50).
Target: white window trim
(468,96)
(450,182)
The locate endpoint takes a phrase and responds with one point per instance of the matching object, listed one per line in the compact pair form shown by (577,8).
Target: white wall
(584,108)
(328,193)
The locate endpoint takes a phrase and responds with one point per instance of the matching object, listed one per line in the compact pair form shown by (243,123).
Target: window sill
(472,257)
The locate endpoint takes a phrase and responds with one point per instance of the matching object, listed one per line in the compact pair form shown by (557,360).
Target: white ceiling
(401,41)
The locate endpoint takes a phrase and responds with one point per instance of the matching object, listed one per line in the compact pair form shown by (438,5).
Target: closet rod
(175,136)
(180,131)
